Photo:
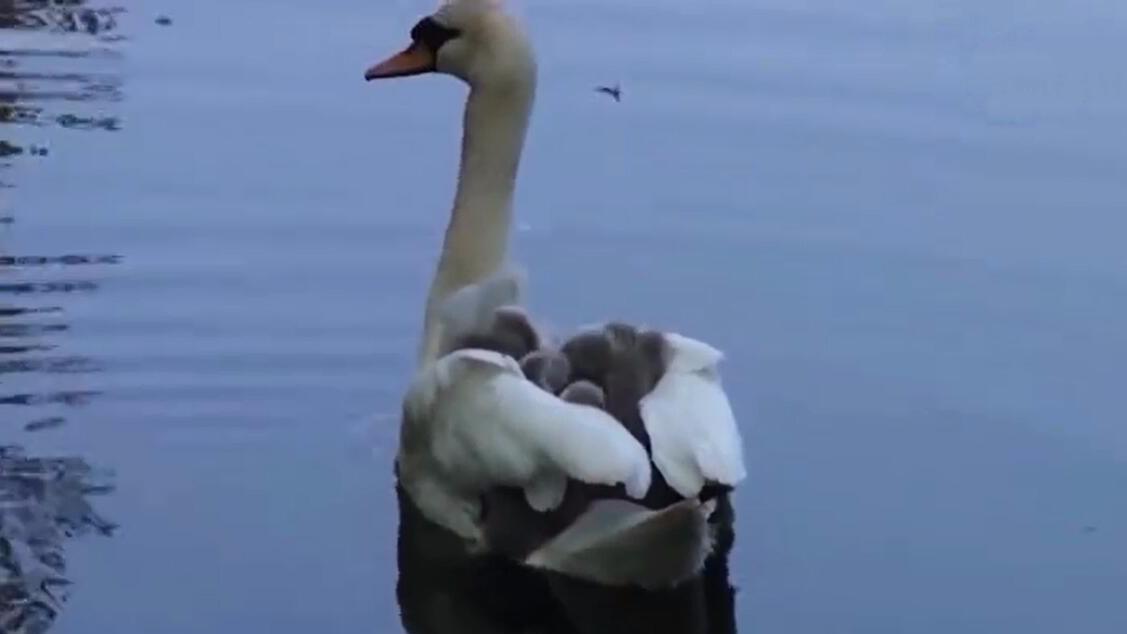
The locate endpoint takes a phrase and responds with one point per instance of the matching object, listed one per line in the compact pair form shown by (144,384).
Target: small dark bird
(625,362)
(590,354)
(514,322)
(510,332)
(584,393)
(164,20)
(548,369)
(613,91)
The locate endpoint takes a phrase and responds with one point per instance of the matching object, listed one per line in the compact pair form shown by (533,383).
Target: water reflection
(44,501)
(71,16)
(441,591)
(25,88)
(37,89)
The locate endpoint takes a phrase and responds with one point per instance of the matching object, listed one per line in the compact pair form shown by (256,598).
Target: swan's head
(474,40)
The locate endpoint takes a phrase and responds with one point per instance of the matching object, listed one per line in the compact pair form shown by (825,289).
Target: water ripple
(44,501)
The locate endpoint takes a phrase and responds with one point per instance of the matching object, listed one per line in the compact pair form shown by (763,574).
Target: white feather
(483,424)
(693,432)
(689,355)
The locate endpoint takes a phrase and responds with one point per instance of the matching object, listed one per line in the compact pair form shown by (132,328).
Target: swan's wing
(487,425)
(690,355)
(693,432)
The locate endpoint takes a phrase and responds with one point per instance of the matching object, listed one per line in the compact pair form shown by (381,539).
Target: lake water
(903,222)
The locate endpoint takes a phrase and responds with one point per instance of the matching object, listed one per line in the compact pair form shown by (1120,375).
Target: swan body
(599,458)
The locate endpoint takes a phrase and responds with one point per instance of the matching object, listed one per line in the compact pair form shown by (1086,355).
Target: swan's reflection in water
(442,591)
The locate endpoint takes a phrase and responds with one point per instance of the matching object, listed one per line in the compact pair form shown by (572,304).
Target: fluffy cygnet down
(548,369)
(585,393)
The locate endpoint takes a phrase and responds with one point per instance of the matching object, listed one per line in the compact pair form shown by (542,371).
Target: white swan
(501,460)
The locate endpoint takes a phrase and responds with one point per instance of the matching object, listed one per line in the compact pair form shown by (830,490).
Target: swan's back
(662,388)
(590,458)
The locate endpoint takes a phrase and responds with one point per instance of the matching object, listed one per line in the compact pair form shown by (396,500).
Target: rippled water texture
(54,75)
(903,222)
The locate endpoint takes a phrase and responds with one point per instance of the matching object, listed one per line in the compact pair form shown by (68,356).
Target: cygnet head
(476,41)
(597,352)
(622,336)
(513,323)
(590,355)
(548,369)
(510,332)
(585,393)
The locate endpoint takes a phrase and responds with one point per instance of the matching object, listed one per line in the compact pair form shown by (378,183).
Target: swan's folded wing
(487,425)
(692,429)
(690,355)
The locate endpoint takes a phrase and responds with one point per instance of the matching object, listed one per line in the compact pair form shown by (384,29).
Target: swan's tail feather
(617,542)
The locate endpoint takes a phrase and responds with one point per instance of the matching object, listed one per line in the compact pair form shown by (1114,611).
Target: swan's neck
(496,119)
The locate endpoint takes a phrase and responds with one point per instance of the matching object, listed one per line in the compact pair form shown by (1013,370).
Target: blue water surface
(902,222)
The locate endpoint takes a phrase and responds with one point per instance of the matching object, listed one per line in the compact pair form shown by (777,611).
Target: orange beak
(416,59)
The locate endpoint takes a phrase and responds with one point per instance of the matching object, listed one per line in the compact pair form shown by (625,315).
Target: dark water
(902,221)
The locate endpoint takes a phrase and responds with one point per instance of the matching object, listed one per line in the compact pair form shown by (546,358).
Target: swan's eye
(433,35)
